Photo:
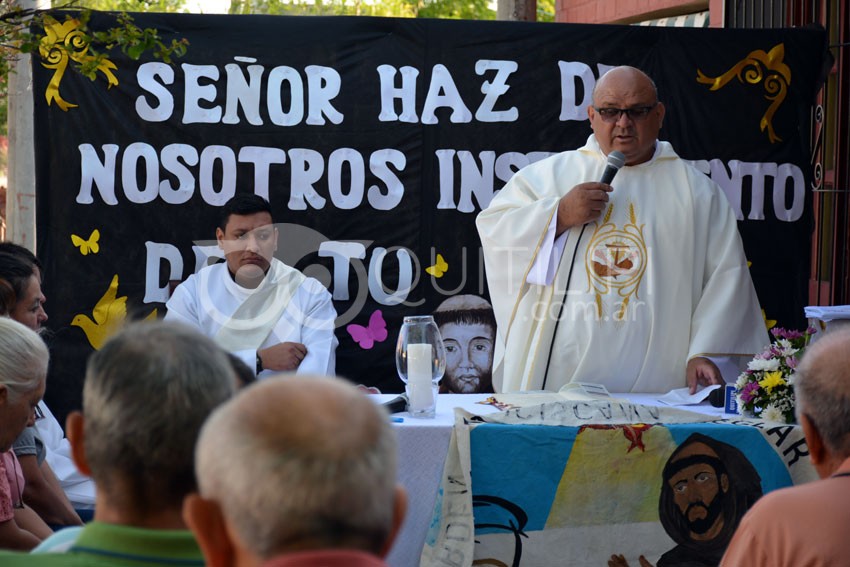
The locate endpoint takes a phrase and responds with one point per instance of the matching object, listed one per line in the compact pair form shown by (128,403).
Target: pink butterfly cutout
(376,332)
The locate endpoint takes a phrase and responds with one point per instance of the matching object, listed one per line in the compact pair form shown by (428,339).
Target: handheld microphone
(717,397)
(397,404)
(616,160)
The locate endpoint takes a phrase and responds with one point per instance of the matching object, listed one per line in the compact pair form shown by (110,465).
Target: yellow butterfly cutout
(438,269)
(89,245)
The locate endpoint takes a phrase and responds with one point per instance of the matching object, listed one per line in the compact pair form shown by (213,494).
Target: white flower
(766,365)
(742,380)
(772,413)
(791,378)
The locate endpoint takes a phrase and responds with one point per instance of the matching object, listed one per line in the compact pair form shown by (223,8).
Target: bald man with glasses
(636,284)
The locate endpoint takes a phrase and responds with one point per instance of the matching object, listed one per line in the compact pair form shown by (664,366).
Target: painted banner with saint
(604,483)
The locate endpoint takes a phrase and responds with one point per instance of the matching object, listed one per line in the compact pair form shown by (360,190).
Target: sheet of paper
(683,397)
(828,313)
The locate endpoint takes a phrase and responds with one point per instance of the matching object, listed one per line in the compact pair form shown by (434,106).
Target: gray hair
(146,394)
(310,459)
(822,389)
(23,358)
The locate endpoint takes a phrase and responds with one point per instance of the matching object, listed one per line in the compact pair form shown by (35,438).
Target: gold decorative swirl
(63,43)
(757,67)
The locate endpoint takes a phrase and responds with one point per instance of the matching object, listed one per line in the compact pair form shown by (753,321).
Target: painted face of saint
(469,357)
(698,492)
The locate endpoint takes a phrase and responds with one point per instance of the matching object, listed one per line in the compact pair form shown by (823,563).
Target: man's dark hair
(744,490)
(243,204)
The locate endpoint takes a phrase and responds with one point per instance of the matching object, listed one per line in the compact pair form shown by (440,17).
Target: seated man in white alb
(268,314)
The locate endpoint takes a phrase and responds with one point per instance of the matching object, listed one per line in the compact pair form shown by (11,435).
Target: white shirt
(79,488)
(208,299)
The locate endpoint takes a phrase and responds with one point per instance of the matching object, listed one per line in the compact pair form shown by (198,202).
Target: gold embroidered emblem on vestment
(615,261)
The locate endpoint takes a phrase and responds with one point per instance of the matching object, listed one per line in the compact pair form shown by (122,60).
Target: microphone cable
(561,308)
(614,162)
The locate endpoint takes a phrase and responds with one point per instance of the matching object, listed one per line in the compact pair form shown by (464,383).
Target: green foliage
(133,5)
(132,40)
(455,9)
(16,25)
(545,10)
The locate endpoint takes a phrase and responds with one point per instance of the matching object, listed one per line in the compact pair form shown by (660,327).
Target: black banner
(377,141)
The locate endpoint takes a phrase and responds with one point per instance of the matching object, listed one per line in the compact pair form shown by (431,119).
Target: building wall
(631,11)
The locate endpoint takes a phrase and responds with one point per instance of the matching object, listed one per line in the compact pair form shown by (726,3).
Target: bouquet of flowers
(766,388)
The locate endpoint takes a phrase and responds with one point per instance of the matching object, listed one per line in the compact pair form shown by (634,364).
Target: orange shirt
(804,525)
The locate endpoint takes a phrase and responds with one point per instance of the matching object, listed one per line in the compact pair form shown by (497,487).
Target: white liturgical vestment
(79,488)
(658,279)
(286,307)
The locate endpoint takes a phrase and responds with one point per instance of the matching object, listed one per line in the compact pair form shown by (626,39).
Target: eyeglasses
(38,413)
(636,113)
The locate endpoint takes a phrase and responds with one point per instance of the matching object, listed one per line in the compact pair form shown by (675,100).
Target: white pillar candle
(419,376)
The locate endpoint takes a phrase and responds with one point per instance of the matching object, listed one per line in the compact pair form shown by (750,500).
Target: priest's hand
(583,204)
(282,356)
(702,372)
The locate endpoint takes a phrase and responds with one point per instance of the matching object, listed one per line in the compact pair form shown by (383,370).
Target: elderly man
(807,524)
(468,329)
(146,394)
(632,286)
(312,485)
(268,314)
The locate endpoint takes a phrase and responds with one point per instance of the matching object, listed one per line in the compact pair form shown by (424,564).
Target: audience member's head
(146,394)
(311,465)
(24,254)
(23,368)
(20,288)
(822,389)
